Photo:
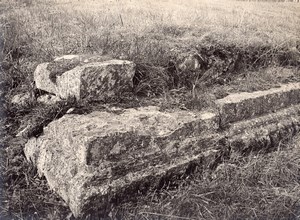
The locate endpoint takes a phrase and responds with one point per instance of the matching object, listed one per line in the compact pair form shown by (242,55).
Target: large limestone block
(90,77)
(92,160)
(245,105)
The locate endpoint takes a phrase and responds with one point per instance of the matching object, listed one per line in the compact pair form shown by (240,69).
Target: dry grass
(260,186)
(232,35)
(144,29)
(153,33)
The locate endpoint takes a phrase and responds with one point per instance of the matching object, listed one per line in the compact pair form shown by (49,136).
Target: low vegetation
(244,46)
(260,186)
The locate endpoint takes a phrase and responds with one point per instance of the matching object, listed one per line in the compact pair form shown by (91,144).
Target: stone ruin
(96,159)
(85,77)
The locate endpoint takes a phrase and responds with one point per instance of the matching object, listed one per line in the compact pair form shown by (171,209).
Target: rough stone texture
(191,63)
(95,157)
(95,160)
(48,99)
(241,106)
(22,99)
(264,132)
(85,77)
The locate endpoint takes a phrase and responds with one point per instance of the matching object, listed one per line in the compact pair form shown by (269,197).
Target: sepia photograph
(149,109)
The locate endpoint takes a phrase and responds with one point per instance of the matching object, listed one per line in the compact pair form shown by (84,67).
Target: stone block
(245,105)
(85,77)
(91,159)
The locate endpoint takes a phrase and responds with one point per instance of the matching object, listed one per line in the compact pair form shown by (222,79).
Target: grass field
(246,45)
(144,30)
(232,36)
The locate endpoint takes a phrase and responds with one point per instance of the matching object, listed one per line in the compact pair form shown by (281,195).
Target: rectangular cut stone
(94,160)
(241,106)
(95,157)
(264,132)
(80,79)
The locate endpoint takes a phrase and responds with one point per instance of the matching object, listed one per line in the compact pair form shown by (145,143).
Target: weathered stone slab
(242,106)
(96,157)
(94,160)
(83,76)
(264,132)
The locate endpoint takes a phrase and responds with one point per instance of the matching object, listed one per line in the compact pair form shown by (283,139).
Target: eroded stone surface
(245,105)
(48,99)
(96,159)
(92,157)
(84,76)
(264,132)
(22,99)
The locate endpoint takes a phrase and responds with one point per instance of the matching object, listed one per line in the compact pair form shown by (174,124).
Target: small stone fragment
(48,99)
(22,99)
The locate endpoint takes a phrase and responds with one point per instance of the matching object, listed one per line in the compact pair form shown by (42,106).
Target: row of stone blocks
(94,160)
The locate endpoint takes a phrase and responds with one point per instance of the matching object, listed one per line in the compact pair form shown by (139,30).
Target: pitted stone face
(85,76)
(102,149)
(95,159)
(245,105)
